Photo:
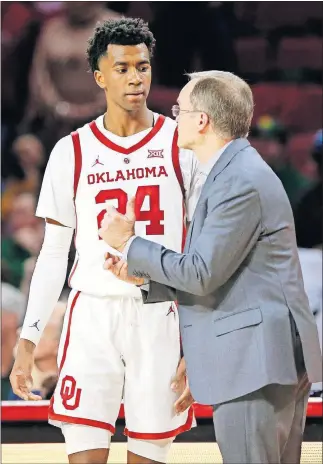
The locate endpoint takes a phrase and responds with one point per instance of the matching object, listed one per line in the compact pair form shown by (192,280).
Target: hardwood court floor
(189,453)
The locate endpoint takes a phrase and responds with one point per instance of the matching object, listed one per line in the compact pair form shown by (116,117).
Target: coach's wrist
(124,248)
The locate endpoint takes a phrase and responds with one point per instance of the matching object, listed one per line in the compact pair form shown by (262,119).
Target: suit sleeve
(157,293)
(231,229)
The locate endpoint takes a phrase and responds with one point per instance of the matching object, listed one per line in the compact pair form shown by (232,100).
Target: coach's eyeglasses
(176,111)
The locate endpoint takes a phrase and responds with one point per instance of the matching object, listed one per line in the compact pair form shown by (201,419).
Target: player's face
(125,74)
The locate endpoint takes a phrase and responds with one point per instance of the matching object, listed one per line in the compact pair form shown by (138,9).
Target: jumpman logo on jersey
(35,324)
(171,310)
(97,161)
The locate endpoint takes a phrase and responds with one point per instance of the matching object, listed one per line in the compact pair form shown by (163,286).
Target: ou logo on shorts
(69,391)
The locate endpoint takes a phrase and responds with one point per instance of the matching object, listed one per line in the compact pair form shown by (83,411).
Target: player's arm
(56,206)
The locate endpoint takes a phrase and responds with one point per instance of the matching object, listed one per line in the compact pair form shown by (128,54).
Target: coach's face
(125,75)
(191,122)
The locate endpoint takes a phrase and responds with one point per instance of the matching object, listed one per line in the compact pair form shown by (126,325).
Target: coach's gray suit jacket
(237,282)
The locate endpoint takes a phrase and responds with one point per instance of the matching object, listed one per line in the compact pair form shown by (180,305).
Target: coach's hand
(180,384)
(117,229)
(20,377)
(119,268)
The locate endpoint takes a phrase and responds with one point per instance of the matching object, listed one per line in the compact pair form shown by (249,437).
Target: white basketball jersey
(106,173)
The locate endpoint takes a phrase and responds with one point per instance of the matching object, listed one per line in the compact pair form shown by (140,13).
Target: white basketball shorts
(115,349)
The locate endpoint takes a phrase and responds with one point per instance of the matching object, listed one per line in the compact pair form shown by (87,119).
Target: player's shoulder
(167,126)
(186,153)
(188,162)
(169,123)
(65,144)
(62,152)
(186,157)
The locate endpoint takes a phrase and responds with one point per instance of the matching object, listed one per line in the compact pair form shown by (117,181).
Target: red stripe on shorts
(78,420)
(62,417)
(159,436)
(68,332)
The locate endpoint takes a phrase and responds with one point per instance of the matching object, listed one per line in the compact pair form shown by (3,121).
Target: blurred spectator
(45,370)
(26,159)
(48,9)
(21,24)
(13,305)
(15,19)
(309,211)
(200,30)
(28,270)
(20,29)
(24,237)
(63,94)
(269,136)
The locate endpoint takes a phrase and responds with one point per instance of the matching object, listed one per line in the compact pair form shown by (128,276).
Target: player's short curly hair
(125,31)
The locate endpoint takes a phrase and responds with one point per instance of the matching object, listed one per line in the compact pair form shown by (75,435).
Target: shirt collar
(205,168)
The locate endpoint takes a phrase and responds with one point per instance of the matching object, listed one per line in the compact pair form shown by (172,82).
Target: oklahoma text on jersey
(106,173)
(128,174)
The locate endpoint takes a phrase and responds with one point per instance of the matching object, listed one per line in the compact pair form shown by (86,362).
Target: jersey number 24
(154,215)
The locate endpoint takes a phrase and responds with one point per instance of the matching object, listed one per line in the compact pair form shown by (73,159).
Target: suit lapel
(229,153)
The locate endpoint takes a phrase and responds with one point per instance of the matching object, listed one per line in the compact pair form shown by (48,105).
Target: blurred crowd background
(47,91)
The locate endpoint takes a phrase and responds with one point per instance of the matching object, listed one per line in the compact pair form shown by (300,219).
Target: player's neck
(124,124)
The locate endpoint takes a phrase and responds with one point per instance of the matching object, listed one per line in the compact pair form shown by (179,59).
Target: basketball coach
(249,338)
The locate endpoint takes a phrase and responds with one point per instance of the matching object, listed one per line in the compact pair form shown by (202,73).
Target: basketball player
(112,346)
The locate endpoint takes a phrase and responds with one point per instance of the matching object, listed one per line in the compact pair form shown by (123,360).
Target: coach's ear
(99,79)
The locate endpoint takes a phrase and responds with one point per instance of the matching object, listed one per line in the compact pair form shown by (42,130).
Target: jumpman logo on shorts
(97,161)
(35,324)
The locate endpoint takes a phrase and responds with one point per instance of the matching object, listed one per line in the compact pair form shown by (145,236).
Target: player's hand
(20,377)
(119,268)
(180,384)
(116,229)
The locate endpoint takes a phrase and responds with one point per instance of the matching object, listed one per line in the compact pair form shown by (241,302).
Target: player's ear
(99,78)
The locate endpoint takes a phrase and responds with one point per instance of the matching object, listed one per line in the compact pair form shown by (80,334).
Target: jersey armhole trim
(77,173)
(176,163)
(77,160)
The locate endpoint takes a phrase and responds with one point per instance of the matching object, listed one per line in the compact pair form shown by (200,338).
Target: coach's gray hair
(226,99)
